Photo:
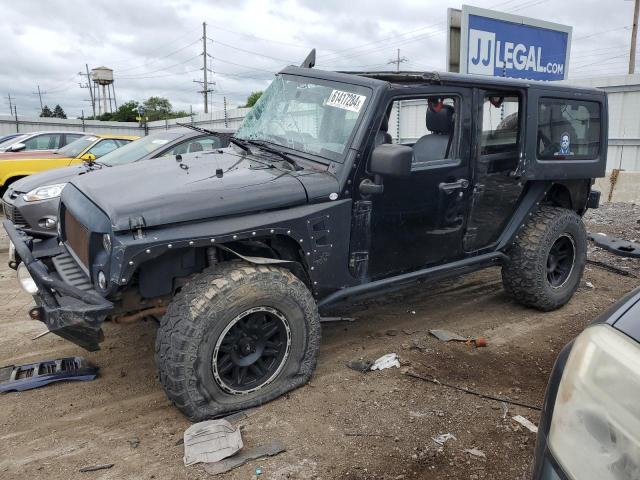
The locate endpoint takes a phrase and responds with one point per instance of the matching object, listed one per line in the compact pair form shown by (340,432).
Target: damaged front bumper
(73,314)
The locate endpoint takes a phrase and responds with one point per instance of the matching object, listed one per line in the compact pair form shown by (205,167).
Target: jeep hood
(165,191)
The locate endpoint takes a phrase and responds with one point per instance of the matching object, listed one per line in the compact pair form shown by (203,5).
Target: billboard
(505,45)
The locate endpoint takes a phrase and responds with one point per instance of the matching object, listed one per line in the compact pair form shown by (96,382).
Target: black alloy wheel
(560,261)
(252,350)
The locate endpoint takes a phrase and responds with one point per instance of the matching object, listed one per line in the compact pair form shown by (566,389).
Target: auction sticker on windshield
(346,100)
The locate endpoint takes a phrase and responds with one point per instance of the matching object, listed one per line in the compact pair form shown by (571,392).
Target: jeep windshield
(310,116)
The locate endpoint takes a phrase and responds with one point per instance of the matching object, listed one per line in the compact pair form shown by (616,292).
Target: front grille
(12,213)
(77,237)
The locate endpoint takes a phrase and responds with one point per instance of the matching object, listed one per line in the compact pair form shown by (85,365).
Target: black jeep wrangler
(336,185)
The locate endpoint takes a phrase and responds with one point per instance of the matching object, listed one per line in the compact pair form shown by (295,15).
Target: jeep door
(496,184)
(419,221)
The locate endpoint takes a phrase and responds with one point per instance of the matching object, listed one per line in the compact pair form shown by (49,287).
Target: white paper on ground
(386,361)
(210,441)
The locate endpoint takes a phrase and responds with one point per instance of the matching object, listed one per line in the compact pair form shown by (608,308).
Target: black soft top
(388,79)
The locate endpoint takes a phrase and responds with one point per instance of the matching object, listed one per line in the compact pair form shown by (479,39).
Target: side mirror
(88,157)
(16,147)
(391,160)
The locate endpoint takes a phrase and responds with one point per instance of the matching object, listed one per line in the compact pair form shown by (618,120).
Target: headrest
(385,124)
(440,122)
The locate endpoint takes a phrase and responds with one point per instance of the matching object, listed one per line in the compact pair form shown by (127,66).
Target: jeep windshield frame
(313,118)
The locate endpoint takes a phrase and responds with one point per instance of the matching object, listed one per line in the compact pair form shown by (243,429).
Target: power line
(255,37)
(384,47)
(337,53)
(160,58)
(160,69)
(530,4)
(601,62)
(159,76)
(154,50)
(597,34)
(218,42)
(242,65)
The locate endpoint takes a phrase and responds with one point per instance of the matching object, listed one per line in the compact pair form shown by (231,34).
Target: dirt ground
(344,424)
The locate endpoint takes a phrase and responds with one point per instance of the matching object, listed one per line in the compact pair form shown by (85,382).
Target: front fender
(319,230)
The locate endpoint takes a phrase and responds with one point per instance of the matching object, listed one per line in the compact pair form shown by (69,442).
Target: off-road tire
(524,275)
(197,317)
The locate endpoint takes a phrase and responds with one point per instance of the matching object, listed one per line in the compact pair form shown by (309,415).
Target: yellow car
(88,148)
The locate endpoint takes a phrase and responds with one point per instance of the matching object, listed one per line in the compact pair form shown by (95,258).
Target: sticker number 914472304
(346,100)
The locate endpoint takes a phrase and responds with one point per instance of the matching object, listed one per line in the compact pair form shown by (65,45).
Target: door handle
(449,188)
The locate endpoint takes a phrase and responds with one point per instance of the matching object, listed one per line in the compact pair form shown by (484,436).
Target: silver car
(33,201)
(39,141)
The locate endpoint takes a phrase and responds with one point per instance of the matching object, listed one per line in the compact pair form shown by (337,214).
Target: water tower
(102,78)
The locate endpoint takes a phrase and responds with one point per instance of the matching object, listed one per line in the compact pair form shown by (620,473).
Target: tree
(157,108)
(58,112)
(46,112)
(105,117)
(253,98)
(127,112)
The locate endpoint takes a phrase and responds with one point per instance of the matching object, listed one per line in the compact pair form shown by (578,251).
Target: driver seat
(435,145)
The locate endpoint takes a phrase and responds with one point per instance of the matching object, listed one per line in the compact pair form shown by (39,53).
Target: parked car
(6,138)
(313,204)
(33,201)
(86,148)
(590,423)
(39,141)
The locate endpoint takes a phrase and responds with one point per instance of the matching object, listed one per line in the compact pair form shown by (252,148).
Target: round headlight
(102,280)
(25,280)
(106,242)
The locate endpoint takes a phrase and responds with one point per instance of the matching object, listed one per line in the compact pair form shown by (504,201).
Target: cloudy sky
(155,46)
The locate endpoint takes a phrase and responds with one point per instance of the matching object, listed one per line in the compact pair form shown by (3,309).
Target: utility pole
(399,60)
(39,93)
(205,90)
(88,85)
(204,82)
(634,35)
(10,104)
(226,119)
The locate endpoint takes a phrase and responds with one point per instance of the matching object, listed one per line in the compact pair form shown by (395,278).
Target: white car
(39,141)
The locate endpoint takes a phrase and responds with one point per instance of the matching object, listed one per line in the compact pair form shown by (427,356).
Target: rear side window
(568,129)
(500,124)
(49,141)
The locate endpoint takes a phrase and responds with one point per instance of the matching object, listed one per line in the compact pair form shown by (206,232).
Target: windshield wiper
(285,156)
(236,141)
(240,143)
